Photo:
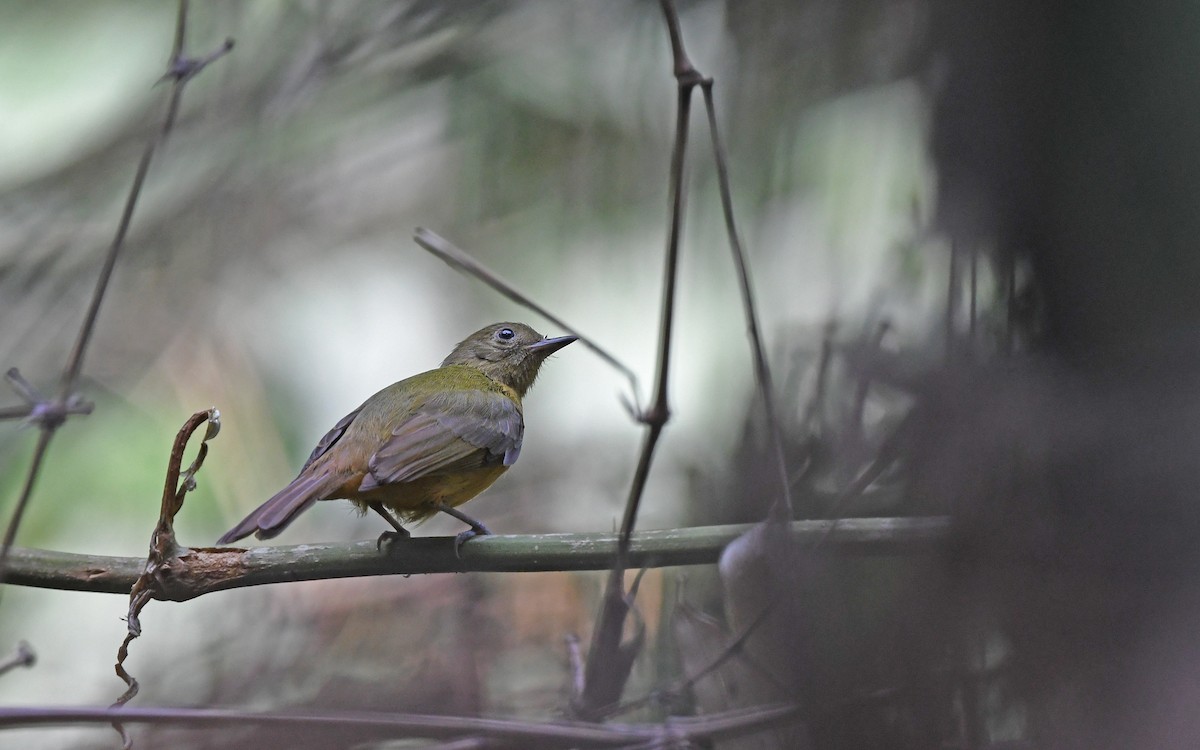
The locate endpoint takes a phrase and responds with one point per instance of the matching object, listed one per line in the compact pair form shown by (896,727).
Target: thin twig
(457,258)
(781,509)
(609,663)
(659,411)
(35,465)
(14,412)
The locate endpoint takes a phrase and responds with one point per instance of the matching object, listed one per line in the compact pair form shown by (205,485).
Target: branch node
(43,412)
(656,416)
(689,77)
(183,68)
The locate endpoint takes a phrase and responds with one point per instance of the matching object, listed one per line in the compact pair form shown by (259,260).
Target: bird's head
(510,353)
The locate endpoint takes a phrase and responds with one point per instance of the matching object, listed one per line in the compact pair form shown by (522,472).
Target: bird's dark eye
(505,333)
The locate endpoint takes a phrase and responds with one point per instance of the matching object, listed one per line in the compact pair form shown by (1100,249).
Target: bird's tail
(273,516)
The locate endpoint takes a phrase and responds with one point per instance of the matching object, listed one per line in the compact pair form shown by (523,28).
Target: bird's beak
(547,347)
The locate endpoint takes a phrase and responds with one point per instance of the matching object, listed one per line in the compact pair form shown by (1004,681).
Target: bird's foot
(391,537)
(477,529)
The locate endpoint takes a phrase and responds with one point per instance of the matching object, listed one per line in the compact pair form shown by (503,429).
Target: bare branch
(659,412)
(781,510)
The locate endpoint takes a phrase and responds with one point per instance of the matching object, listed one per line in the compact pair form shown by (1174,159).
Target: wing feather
(452,431)
(331,437)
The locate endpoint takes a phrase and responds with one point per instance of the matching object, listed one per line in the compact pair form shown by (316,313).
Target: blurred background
(970,230)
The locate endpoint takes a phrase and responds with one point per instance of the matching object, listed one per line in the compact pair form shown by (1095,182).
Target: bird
(424,445)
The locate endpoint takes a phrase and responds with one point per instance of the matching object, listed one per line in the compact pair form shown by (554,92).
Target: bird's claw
(390,538)
(464,536)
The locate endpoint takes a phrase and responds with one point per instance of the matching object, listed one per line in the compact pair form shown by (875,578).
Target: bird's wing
(451,431)
(330,438)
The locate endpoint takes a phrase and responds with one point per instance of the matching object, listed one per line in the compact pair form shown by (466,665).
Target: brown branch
(163,547)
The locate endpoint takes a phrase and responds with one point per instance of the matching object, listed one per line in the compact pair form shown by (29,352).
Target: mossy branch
(203,570)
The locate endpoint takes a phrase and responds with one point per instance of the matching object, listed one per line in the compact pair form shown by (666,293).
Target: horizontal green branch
(201,570)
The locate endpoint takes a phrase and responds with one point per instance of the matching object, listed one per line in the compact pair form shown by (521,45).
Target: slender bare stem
(454,256)
(35,465)
(781,510)
(659,411)
(609,662)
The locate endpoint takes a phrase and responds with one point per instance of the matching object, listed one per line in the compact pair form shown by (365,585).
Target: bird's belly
(413,500)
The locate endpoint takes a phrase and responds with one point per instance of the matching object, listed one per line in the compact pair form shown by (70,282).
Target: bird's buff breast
(413,501)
